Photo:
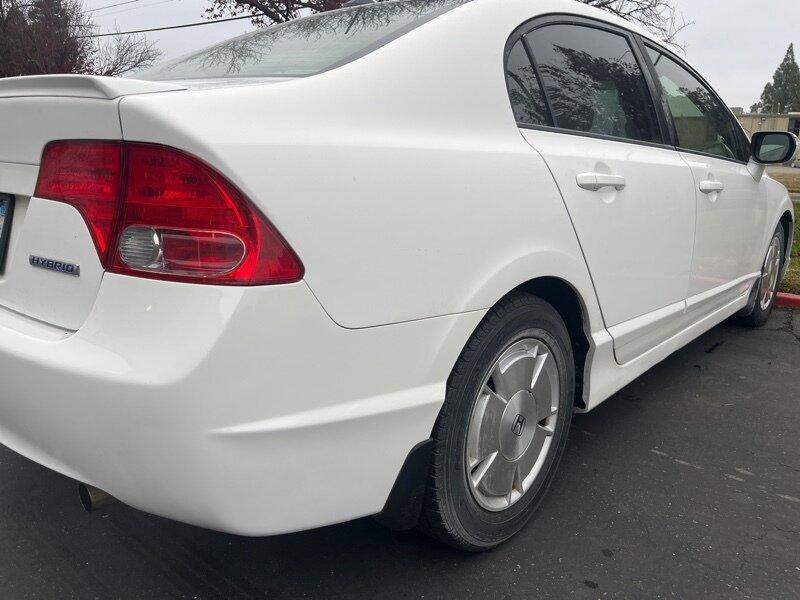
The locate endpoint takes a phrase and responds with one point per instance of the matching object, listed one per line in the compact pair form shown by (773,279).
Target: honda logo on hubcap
(519,425)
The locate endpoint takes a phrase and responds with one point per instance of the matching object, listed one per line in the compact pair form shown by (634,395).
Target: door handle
(709,187)
(597,181)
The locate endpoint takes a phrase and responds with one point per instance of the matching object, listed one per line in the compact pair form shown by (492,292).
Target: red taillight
(157,212)
(87,175)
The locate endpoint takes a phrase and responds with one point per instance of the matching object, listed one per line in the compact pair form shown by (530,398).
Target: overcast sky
(736,44)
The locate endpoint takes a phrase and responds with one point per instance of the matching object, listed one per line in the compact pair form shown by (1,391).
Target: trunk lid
(33,112)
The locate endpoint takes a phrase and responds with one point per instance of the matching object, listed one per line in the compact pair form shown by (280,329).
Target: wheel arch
(569,304)
(576,311)
(404,505)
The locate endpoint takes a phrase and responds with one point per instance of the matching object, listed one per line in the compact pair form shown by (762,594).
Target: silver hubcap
(772,270)
(512,424)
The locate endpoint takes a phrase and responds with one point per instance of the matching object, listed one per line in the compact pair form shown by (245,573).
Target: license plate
(6,212)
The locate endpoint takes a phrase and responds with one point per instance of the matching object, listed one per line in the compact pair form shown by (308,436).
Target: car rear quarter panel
(400,179)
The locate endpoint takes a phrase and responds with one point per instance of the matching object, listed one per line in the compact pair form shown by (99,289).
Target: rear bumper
(245,410)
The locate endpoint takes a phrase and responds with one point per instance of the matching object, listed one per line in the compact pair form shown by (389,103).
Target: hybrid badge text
(55,265)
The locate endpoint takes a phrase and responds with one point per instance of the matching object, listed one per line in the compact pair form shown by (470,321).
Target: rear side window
(594,83)
(524,89)
(701,121)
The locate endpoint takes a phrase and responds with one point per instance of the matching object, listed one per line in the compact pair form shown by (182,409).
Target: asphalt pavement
(686,484)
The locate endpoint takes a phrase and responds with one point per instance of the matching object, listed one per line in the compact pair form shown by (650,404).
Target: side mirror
(774,148)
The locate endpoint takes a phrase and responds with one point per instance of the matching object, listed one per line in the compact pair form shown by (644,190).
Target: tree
(658,16)
(40,37)
(783,93)
(125,53)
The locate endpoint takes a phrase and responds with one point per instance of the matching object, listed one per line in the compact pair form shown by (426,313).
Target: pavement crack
(789,498)
(790,467)
(789,530)
(789,328)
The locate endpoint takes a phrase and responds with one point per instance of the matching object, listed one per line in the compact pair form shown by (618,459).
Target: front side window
(594,83)
(527,98)
(305,46)
(701,121)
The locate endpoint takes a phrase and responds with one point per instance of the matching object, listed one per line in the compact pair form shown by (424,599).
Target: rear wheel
(767,285)
(503,427)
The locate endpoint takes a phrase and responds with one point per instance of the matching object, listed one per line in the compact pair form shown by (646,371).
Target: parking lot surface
(686,484)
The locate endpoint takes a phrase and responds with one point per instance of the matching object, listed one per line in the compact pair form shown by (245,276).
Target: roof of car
(544,7)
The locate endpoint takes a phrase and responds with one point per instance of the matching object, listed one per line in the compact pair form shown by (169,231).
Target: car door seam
(572,224)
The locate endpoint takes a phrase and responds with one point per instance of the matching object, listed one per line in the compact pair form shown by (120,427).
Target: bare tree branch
(660,17)
(39,37)
(124,54)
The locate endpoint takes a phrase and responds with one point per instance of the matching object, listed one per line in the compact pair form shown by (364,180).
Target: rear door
(731,206)
(586,107)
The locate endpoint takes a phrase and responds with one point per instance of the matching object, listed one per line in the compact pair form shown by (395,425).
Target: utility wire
(137,7)
(98,35)
(112,5)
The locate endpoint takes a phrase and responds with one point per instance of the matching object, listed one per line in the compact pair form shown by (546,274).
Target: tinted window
(527,98)
(304,46)
(701,121)
(594,82)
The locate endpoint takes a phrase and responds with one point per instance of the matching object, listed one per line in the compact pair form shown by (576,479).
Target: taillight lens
(87,175)
(158,212)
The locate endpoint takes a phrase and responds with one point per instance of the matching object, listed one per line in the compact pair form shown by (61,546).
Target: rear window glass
(305,46)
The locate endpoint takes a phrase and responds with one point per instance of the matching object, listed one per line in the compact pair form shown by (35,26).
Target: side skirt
(605,376)
(636,337)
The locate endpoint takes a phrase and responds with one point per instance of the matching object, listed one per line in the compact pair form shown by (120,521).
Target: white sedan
(368,262)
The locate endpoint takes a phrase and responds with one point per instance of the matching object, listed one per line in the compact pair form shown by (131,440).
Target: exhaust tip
(93,498)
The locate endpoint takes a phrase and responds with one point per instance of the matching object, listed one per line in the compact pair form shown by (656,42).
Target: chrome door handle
(709,187)
(597,181)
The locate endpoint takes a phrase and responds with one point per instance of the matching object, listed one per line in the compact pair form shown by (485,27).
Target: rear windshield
(305,46)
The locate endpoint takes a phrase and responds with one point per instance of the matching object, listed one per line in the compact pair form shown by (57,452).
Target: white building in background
(755,122)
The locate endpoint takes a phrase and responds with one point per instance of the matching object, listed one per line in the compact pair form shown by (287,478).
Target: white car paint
(415,203)
(730,224)
(615,227)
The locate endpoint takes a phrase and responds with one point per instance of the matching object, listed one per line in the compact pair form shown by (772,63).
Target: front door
(731,214)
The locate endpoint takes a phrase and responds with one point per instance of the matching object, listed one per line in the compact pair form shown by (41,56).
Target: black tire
(761,314)
(451,513)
